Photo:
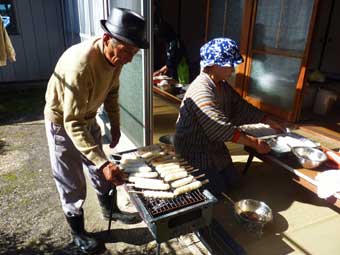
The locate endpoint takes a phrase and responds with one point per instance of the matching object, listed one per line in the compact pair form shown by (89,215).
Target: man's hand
(115,136)
(113,174)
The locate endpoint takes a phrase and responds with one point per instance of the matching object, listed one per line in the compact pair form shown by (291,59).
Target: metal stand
(217,241)
(250,159)
(111,211)
(115,158)
(158,249)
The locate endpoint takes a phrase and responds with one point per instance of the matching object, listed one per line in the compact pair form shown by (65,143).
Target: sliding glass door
(135,85)
(277,55)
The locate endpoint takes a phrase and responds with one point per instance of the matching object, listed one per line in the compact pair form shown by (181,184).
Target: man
(210,114)
(86,76)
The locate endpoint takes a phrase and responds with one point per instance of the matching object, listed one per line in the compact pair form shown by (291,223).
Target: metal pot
(251,214)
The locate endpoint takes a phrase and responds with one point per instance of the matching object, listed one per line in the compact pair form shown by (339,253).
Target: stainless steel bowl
(253,210)
(253,214)
(309,157)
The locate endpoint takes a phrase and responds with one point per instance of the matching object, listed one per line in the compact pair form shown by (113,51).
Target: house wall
(81,19)
(39,42)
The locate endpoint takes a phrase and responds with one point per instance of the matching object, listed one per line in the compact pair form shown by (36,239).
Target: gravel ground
(31,219)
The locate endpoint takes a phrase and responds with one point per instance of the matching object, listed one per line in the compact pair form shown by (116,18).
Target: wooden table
(167,95)
(303,176)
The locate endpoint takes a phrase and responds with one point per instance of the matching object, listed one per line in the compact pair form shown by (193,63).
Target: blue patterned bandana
(220,51)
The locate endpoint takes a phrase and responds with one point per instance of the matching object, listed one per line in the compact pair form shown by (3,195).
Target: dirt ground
(31,219)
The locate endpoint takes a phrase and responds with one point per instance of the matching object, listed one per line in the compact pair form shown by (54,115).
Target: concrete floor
(303,223)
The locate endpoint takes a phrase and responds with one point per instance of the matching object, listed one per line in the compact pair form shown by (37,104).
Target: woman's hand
(261,146)
(257,144)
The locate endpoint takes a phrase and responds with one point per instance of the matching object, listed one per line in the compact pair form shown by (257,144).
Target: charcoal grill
(170,218)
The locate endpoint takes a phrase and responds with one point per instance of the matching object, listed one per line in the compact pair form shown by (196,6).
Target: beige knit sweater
(6,48)
(83,80)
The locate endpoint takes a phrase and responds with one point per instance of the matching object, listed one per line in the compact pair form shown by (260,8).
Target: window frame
(12,29)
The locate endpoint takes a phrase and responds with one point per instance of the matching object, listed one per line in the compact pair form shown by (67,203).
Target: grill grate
(157,207)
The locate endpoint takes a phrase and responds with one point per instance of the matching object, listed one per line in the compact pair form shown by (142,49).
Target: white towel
(6,48)
(328,183)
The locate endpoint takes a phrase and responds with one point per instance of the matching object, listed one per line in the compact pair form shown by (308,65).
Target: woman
(210,114)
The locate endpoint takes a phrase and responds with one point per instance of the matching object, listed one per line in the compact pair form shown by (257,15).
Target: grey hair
(114,42)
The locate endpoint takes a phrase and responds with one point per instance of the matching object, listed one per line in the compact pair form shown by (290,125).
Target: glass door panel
(279,35)
(226,19)
(282,24)
(273,79)
(131,100)
(133,95)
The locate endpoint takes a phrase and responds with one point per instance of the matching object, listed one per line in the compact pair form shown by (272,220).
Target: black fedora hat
(127,26)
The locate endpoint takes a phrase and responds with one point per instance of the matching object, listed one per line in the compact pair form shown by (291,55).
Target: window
(8,16)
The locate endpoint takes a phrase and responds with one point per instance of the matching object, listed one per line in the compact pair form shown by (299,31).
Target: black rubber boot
(81,238)
(105,202)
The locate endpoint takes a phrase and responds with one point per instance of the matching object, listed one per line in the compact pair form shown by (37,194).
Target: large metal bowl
(309,157)
(253,214)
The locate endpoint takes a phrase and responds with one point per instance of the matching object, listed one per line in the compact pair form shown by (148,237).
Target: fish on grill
(189,187)
(175,176)
(158,194)
(171,171)
(153,184)
(137,169)
(145,175)
(167,166)
(182,182)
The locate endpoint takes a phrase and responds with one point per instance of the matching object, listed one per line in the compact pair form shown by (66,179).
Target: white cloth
(328,183)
